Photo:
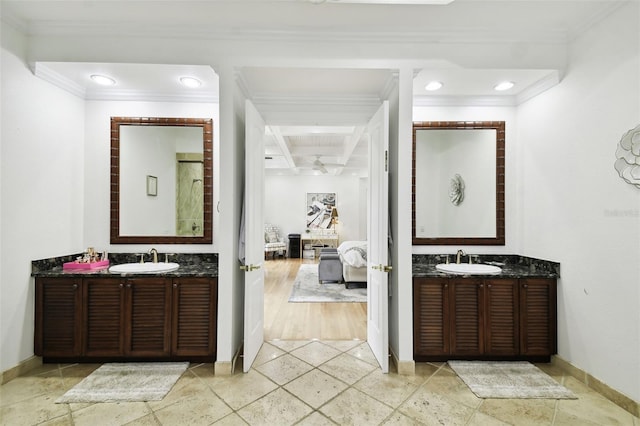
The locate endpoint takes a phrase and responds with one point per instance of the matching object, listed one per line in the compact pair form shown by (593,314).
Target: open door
(253,211)
(377,236)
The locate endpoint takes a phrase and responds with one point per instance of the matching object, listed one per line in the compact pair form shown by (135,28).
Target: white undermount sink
(468,269)
(143,268)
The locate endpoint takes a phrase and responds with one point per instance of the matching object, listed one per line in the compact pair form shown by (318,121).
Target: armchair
(273,242)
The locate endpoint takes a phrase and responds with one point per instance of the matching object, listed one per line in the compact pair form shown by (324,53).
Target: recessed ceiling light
(504,85)
(433,85)
(103,80)
(190,82)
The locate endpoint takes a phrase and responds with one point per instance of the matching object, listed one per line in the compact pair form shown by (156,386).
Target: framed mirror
(161,180)
(458,183)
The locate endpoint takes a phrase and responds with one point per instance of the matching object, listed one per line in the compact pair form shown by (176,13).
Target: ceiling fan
(320,166)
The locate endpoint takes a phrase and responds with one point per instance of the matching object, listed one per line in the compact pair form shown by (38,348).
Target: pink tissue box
(92,265)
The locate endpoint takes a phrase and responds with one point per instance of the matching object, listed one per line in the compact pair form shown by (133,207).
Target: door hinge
(386,161)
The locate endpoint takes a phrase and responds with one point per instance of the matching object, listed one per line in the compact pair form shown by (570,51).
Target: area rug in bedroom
(510,379)
(126,382)
(307,288)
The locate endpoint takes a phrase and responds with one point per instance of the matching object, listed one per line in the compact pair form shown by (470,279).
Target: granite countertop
(513,266)
(191,265)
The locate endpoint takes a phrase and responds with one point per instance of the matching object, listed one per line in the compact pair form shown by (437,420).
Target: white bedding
(353,253)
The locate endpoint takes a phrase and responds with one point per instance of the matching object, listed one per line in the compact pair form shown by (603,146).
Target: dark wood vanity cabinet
(126,318)
(58,320)
(538,330)
(476,318)
(194,317)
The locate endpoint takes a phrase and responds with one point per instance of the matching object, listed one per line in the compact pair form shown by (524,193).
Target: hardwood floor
(301,321)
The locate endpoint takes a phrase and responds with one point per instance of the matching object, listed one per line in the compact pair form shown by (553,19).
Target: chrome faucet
(155,255)
(460,253)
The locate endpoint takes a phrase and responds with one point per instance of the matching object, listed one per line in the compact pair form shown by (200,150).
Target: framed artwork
(152,185)
(319,207)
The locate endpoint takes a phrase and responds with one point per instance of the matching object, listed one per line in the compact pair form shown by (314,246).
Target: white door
(253,211)
(377,236)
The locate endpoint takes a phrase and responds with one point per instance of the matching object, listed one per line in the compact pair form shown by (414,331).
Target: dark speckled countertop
(513,266)
(191,265)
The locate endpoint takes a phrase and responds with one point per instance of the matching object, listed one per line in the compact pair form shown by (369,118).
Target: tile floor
(304,383)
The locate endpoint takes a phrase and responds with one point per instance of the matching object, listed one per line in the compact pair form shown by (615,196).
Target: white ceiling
(330,106)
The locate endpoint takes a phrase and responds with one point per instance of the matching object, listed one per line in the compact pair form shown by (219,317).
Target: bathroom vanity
(98,316)
(486,317)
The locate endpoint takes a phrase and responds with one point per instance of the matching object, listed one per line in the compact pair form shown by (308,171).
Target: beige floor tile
(148,420)
(315,353)
(445,382)
(197,410)
(343,345)
(353,407)
(284,369)
(35,410)
(363,353)
(231,420)
(187,387)
(266,353)
(315,419)
(391,388)
(431,408)
(27,387)
(289,345)
(241,389)
(58,421)
(316,387)
(347,368)
(110,414)
(523,412)
(399,419)
(481,419)
(591,406)
(277,408)
(425,370)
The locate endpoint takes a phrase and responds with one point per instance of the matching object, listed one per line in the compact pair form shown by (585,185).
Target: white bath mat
(118,382)
(517,379)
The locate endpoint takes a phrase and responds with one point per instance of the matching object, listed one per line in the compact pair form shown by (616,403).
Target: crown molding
(545,83)
(428,101)
(444,35)
(47,74)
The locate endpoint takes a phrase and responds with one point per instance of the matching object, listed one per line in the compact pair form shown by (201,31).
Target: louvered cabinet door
(538,320)
(194,317)
(148,317)
(467,329)
(103,317)
(430,317)
(501,316)
(58,317)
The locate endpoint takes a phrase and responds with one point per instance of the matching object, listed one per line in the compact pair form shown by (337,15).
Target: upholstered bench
(330,267)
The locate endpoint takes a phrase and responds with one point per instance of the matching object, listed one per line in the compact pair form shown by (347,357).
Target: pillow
(271,237)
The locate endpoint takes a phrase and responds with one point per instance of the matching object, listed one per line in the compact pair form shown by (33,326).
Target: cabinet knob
(446,286)
(121,285)
(525,285)
(488,285)
(175,285)
(480,285)
(128,285)
(75,286)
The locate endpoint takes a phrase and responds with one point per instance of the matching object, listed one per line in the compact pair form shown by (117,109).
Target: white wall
(577,211)
(286,197)
(42,190)
(97,166)
(512,175)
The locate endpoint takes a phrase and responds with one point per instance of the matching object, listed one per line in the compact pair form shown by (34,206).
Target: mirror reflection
(458,183)
(161,180)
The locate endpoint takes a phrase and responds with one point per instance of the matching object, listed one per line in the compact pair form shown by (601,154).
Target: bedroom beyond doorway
(302,321)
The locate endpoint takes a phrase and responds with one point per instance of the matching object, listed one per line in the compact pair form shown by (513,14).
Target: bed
(353,255)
